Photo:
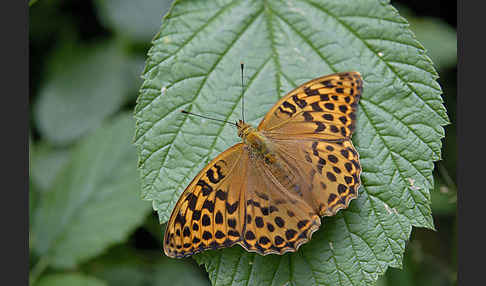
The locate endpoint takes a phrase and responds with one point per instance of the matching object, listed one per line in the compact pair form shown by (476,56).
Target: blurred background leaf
(86,85)
(123,266)
(72,279)
(46,162)
(94,201)
(137,20)
(438,37)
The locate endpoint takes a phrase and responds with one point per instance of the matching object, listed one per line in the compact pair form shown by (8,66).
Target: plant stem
(447,178)
(38,269)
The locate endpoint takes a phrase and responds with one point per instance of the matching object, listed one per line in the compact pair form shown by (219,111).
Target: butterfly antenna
(242,93)
(190,113)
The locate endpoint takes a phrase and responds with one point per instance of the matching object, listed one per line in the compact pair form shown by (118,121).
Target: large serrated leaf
(194,64)
(93,202)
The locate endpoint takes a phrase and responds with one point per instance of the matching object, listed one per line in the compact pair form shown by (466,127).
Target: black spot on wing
(307,116)
(331,177)
(231,208)
(299,102)
(327,83)
(328,117)
(329,106)
(320,127)
(209,205)
(232,223)
(215,177)
(290,106)
(186,232)
(324,97)
(221,195)
(249,235)
(331,198)
(207,235)
(206,220)
(270,227)
(205,187)
(341,188)
(315,107)
(219,234)
(310,92)
(290,233)
(196,215)
(262,196)
(180,219)
(218,219)
(192,199)
(343,108)
(279,221)
(259,222)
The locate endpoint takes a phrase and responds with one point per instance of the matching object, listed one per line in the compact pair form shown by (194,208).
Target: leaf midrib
(220,130)
(179,130)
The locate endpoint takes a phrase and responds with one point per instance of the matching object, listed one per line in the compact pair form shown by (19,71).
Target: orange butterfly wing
(322,108)
(208,213)
(236,199)
(311,128)
(277,219)
(326,173)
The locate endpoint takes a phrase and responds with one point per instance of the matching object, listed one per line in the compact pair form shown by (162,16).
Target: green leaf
(33,198)
(94,201)
(123,266)
(84,85)
(444,198)
(194,65)
(439,38)
(46,162)
(138,20)
(72,279)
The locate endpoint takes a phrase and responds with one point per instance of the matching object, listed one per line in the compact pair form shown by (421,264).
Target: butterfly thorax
(257,143)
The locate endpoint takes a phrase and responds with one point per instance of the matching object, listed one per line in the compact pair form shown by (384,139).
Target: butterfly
(268,192)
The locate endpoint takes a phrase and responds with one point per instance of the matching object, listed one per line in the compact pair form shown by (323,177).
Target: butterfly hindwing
(323,107)
(337,174)
(277,221)
(208,213)
(328,172)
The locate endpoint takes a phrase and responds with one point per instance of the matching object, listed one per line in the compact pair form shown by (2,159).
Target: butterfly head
(244,129)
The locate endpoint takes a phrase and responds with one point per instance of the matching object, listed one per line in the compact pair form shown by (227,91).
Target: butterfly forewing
(208,214)
(321,108)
